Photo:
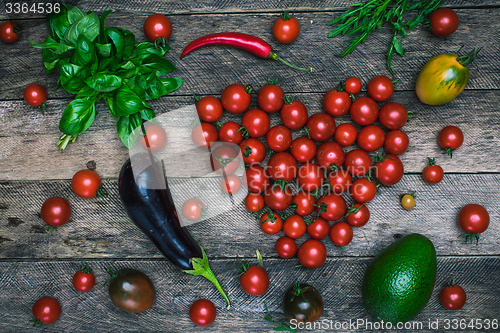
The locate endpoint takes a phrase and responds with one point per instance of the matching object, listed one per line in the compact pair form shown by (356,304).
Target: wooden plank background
(34,264)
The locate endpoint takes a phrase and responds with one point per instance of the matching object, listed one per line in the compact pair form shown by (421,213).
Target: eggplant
(145,194)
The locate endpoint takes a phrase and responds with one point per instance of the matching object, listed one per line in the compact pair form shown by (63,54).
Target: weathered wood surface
(209,70)
(339,281)
(101,228)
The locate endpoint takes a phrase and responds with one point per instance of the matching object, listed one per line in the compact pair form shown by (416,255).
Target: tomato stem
(467,59)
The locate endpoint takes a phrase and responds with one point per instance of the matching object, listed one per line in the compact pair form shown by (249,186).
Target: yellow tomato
(408,201)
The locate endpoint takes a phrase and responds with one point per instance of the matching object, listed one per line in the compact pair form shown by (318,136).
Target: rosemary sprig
(366,17)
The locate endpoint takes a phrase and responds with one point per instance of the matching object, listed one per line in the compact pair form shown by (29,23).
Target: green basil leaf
(128,65)
(62,49)
(48,43)
(171,83)
(74,14)
(87,93)
(110,102)
(129,44)
(161,66)
(102,31)
(155,88)
(139,84)
(73,77)
(84,52)
(77,117)
(126,126)
(118,39)
(126,73)
(106,64)
(126,101)
(147,113)
(104,49)
(104,82)
(146,48)
(50,60)
(58,23)
(87,25)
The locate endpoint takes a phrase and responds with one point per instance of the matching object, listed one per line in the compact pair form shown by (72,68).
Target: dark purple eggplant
(147,198)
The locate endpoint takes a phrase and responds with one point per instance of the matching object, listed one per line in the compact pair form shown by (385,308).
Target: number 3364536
(32,8)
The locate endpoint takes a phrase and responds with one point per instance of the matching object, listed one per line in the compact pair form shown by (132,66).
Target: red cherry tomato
(282,166)
(318,229)
(393,115)
(270,98)
(304,203)
(56,211)
(396,142)
(209,109)
(364,111)
(84,280)
(312,254)
(271,223)
(202,312)
(231,184)
(357,215)
(433,173)
(224,159)
(341,233)
(330,154)
(286,29)
(229,132)
(85,183)
(336,103)
(35,94)
(254,202)
(253,151)
(389,170)
(278,198)
(294,114)
(473,218)
(303,149)
(155,139)
(255,281)
(380,88)
(310,177)
(444,22)
(346,134)
(352,85)
(453,297)
(371,138)
(451,138)
(363,190)
(357,162)
(321,127)
(47,310)
(279,138)
(235,98)
(156,26)
(9,32)
(256,178)
(204,135)
(294,226)
(193,209)
(340,181)
(285,247)
(256,122)
(335,206)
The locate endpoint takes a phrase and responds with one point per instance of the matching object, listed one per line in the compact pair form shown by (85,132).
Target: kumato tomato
(303,303)
(131,290)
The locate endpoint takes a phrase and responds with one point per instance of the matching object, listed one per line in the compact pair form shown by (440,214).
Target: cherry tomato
(193,209)
(357,162)
(453,297)
(433,173)
(335,206)
(271,223)
(408,201)
(230,132)
(357,215)
(312,254)
(380,88)
(450,138)
(235,98)
(294,114)
(363,190)
(56,211)
(209,109)
(321,126)
(255,281)
(256,178)
(47,310)
(336,103)
(444,22)
(224,159)
(396,142)
(282,166)
(155,139)
(285,247)
(202,312)
(303,149)
(254,202)
(85,183)
(270,98)
(35,94)
(253,151)
(204,135)
(131,290)
(340,181)
(389,170)
(319,228)
(346,134)
(256,122)
(9,32)
(157,26)
(294,226)
(304,203)
(352,85)
(277,197)
(310,177)
(279,138)
(473,218)
(84,279)
(341,233)
(286,29)
(230,184)
(393,115)
(303,303)
(371,138)
(364,111)
(330,154)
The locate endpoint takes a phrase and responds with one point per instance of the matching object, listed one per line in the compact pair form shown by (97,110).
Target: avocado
(399,281)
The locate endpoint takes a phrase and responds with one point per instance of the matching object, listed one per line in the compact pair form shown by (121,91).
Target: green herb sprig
(94,63)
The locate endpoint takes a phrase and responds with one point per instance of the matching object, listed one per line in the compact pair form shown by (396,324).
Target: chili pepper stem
(274,56)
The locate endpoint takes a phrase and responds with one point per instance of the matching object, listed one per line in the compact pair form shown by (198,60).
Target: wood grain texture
(100,227)
(338,281)
(209,70)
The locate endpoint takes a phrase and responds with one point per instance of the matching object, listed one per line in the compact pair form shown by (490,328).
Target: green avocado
(398,283)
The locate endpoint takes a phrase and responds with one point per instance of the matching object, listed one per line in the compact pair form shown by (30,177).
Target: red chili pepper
(249,43)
